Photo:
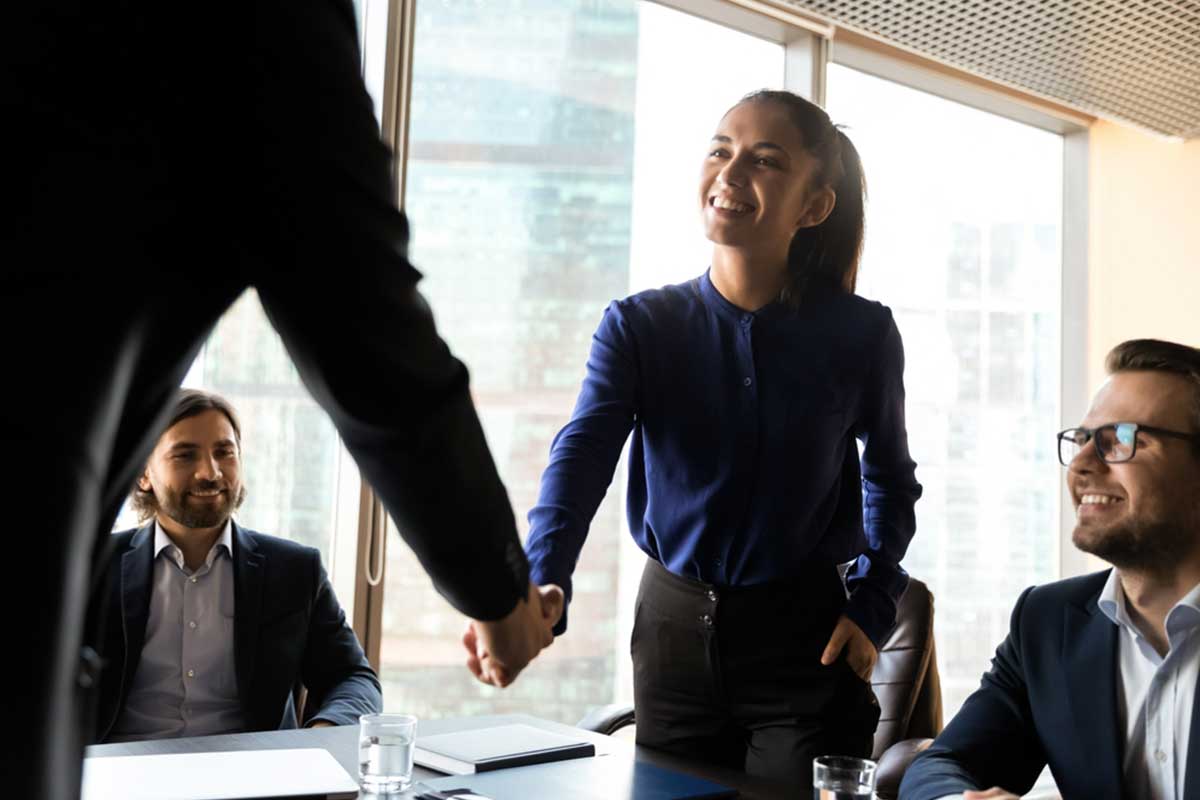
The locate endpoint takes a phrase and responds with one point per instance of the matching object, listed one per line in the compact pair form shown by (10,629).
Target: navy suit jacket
(1049,698)
(288,629)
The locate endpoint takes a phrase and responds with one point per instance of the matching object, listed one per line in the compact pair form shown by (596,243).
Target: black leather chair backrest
(906,678)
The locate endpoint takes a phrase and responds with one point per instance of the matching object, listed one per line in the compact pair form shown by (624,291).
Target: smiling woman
(743,521)
(755,192)
(783,187)
(777,162)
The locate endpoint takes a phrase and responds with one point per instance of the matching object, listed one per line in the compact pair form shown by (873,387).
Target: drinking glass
(843,778)
(385,752)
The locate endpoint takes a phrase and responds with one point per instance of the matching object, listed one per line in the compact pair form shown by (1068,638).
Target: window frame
(371,552)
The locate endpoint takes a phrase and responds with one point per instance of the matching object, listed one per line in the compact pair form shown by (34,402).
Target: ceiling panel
(1136,61)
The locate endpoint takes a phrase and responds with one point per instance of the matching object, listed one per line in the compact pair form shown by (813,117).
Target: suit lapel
(1090,659)
(247,608)
(137,568)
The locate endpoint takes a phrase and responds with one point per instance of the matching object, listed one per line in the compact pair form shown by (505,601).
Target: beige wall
(1143,241)
(1143,257)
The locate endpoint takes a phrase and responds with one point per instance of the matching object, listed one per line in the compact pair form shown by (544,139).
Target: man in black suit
(159,159)
(211,626)
(1098,675)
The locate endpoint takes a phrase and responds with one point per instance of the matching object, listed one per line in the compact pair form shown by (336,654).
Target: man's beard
(210,515)
(1151,545)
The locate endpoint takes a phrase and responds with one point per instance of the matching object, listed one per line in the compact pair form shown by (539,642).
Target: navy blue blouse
(743,463)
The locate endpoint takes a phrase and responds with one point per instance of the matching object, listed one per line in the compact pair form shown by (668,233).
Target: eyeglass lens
(1114,443)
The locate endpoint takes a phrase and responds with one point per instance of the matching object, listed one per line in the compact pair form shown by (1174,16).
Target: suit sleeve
(991,741)
(341,684)
(890,492)
(327,251)
(584,456)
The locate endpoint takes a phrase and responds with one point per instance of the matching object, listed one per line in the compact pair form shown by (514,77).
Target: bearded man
(213,627)
(1097,677)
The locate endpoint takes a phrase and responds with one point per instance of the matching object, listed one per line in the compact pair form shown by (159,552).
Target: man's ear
(820,206)
(143,480)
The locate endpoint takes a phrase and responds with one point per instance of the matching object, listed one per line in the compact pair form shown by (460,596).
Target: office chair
(299,699)
(906,683)
(905,680)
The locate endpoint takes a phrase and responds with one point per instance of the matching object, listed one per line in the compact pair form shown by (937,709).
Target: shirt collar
(716,301)
(1112,602)
(1183,616)
(163,542)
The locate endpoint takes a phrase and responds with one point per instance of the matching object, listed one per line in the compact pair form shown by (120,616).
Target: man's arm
(328,252)
(341,684)
(991,741)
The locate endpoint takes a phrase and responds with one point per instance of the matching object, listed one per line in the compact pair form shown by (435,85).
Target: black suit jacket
(1049,698)
(158,163)
(288,630)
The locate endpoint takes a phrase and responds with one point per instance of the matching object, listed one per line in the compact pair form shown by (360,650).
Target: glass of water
(843,778)
(385,752)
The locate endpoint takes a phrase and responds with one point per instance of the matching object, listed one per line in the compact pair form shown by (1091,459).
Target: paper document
(217,776)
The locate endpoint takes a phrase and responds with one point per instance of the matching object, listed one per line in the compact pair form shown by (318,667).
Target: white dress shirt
(186,683)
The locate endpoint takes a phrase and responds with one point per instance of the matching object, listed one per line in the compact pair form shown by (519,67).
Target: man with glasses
(1097,677)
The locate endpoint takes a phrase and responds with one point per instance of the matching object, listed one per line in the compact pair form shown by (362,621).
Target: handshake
(498,650)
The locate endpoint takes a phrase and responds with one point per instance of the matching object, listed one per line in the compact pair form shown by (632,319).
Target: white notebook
(502,747)
(217,776)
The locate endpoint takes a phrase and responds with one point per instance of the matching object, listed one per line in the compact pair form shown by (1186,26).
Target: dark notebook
(612,777)
(502,747)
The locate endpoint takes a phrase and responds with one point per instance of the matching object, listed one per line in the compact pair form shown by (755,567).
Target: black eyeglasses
(1115,442)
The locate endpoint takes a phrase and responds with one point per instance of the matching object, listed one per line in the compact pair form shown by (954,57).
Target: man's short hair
(1155,355)
(189,403)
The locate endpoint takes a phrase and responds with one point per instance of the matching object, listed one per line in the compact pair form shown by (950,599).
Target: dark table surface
(342,743)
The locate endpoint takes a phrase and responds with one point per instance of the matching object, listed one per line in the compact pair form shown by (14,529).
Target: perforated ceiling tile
(1134,60)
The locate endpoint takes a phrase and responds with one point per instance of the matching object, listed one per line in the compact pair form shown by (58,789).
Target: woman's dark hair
(189,403)
(827,253)
(1156,355)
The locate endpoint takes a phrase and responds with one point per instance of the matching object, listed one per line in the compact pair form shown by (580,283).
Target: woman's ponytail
(828,253)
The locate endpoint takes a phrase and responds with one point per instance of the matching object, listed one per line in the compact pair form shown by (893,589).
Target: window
(372,19)
(964,244)
(555,149)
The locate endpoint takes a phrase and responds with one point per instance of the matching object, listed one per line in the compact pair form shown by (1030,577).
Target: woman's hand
(861,654)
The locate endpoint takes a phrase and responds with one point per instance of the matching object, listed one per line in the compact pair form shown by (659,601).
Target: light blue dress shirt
(1155,694)
(186,684)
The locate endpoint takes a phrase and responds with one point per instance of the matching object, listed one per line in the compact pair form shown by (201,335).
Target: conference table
(342,744)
